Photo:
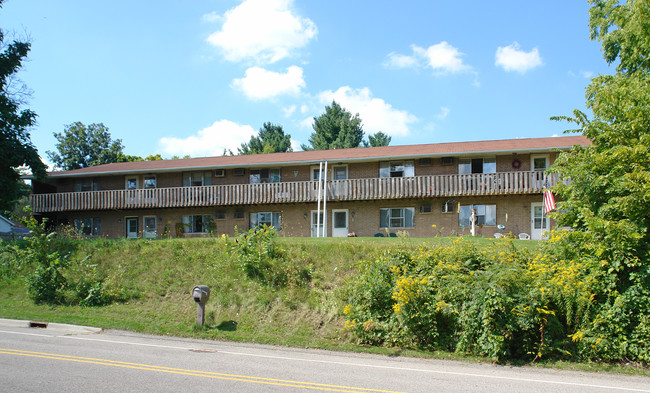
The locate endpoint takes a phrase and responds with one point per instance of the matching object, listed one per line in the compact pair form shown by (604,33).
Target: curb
(50,326)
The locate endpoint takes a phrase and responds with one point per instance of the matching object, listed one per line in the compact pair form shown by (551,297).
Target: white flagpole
(325,202)
(320,184)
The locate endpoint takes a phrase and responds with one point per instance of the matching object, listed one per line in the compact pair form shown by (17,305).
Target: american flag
(549,201)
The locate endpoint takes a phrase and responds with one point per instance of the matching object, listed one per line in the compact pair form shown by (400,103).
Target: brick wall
(514,212)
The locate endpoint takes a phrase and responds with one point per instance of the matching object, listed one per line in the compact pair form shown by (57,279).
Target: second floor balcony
(502,183)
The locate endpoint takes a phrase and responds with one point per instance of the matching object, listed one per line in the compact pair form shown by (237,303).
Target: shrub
(500,301)
(261,259)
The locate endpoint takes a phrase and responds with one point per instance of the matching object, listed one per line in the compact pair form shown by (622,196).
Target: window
(339,172)
(131,183)
(88,226)
(271,219)
(485,215)
(449,207)
(425,162)
(396,169)
(315,171)
(86,185)
(540,163)
(197,224)
(425,209)
(477,165)
(264,176)
(220,215)
(447,161)
(149,227)
(401,217)
(197,179)
(150,181)
(238,215)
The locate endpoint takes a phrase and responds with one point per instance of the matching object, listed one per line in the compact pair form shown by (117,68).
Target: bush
(262,260)
(500,301)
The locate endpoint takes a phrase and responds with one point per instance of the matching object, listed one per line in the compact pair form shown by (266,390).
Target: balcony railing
(503,183)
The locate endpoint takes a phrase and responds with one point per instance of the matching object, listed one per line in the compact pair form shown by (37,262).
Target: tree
(606,200)
(377,139)
(15,144)
(81,146)
(270,139)
(335,129)
(152,157)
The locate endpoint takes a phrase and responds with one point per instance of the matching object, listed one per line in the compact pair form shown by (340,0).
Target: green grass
(158,276)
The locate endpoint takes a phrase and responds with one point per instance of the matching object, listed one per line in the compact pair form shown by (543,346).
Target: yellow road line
(196,373)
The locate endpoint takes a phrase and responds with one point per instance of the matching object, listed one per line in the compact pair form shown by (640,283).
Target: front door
(316,224)
(539,221)
(339,223)
(150,230)
(131,227)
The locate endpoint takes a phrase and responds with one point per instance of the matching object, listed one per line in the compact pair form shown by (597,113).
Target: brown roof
(527,145)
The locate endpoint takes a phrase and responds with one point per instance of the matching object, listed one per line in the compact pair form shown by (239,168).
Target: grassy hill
(504,300)
(154,279)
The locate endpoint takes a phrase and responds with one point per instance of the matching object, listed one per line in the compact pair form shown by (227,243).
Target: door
(149,227)
(131,227)
(339,223)
(539,221)
(316,229)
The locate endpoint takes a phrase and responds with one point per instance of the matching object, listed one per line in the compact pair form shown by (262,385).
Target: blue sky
(196,77)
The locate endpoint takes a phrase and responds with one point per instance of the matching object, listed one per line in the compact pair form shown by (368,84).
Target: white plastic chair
(498,235)
(524,236)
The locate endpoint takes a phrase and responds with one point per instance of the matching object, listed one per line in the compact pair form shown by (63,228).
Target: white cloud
(511,58)
(307,122)
(376,114)
(444,112)
(295,145)
(587,74)
(211,17)
(396,60)
(210,141)
(442,58)
(262,30)
(261,84)
(288,111)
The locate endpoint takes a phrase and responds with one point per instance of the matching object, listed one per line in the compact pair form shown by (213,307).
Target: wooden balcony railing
(503,183)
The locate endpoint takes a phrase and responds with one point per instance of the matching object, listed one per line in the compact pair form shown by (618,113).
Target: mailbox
(201,294)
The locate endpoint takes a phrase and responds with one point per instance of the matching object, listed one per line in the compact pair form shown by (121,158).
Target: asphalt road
(64,358)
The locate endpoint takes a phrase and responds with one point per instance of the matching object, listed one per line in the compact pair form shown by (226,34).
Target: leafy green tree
(606,200)
(152,157)
(15,144)
(377,139)
(335,129)
(81,146)
(270,139)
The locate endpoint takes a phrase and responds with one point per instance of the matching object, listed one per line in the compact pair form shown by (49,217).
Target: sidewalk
(50,326)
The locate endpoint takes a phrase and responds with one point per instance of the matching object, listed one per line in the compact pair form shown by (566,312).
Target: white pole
(320,172)
(325,202)
(473,220)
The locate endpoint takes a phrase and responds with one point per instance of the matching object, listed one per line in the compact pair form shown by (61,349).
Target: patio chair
(524,236)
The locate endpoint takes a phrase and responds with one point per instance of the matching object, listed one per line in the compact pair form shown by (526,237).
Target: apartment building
(484,187)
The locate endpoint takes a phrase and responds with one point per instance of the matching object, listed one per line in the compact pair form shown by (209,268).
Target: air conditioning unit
(219,172)
(424,162)
(238,172)
(447,160)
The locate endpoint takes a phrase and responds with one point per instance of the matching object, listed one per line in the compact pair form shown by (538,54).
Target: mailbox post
(201,294)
